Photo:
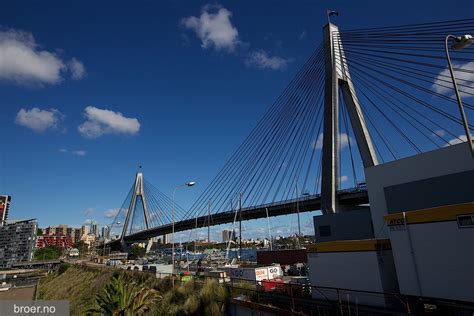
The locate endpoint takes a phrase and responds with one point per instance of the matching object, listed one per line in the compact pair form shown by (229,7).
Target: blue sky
(90,91)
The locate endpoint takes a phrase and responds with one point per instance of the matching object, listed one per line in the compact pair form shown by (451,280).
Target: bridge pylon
(137,196)
(337,77)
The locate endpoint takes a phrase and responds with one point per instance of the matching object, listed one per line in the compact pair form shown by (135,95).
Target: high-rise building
(49,231)
(165,239)
(228,235)
(105,231)
(94,229)
(4,207)
(61,230)
(77,235)
(84,230)
(17,242)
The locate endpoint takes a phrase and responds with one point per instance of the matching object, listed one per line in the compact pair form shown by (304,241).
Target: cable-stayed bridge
(364,97)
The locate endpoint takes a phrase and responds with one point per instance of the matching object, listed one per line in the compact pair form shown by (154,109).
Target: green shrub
(63,268)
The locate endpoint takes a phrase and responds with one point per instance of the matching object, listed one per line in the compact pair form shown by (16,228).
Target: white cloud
(23,62)
(77,69)
(88,211)
(79,152)
(344,178)
(102,121)
(439,132)
(262,60)
(460,76)
(343,138)
(62,150)
(87,222)
(214,28)
(111,213)
(38,120)
(459,140)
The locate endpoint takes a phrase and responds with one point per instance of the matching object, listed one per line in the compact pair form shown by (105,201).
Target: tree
(121,298)
(136,251)
(81,246)
(48,253)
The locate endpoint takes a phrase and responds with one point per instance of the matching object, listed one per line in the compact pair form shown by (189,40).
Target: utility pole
(269,232)
(195,240)
(209,223)
(240,226)
(297,207)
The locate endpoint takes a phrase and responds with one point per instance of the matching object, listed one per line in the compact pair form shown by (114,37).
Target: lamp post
(187,184)
(108,235)
(460,42)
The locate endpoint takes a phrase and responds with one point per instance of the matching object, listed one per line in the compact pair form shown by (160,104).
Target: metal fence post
(292,298)
(340,303)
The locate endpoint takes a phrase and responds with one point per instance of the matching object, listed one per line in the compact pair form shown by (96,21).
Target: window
(324,231)
(465,221)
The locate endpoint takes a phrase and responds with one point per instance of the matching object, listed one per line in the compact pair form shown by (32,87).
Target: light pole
(187,184)
(108,236)
(460,42)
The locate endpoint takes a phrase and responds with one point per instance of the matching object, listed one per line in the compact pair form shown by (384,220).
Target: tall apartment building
(95,229)
(85,230)
(55,232)
(77,235)
(105,231)
(4,207)
(17,242)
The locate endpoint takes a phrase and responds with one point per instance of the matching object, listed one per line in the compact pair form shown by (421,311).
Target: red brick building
(54,240)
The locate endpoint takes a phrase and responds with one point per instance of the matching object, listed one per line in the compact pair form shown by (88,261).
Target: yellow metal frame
(350,245)
(430,215)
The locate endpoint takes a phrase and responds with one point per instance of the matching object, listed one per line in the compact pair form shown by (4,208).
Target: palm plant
(120,298)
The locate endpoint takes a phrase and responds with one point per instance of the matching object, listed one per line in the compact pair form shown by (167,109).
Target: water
(247,254)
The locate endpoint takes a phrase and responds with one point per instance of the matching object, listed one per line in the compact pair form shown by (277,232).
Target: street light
(187,184)
(108,235)
(460,42)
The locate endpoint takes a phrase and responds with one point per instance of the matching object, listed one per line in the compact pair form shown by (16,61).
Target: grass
(76,284)
(81,285)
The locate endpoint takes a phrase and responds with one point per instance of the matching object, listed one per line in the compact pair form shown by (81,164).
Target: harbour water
(247,254)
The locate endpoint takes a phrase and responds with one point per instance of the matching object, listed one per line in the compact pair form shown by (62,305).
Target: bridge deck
(311,203)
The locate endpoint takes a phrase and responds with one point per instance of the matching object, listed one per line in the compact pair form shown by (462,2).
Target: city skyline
(163,91)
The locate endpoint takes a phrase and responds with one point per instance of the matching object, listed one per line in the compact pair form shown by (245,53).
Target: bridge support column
(138,193)
(330,154)
(338,76)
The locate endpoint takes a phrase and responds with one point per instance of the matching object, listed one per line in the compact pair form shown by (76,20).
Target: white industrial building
(353,266)
(434,251)
(419,240)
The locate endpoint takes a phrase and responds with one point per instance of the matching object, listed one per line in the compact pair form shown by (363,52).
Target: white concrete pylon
(338,77)
(138,193)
